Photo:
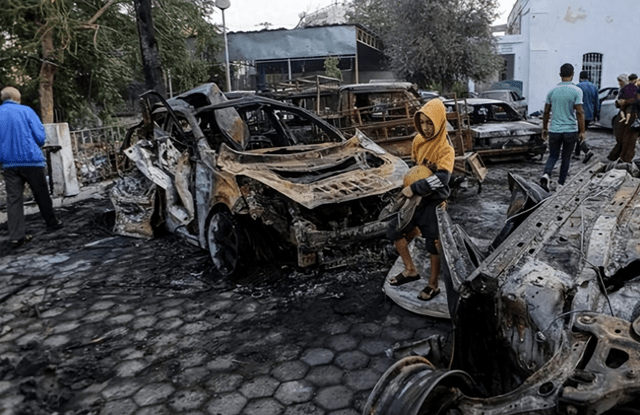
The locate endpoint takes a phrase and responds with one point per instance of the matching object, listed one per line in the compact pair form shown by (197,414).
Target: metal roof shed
(303,51)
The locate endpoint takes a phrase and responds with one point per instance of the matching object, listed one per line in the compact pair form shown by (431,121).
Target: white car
(608,108)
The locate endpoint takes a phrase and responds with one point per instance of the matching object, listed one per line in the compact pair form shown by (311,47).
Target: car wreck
(546,319)
(497,131)
(251,176)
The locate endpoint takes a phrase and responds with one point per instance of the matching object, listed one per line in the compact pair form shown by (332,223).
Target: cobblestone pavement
(92,323)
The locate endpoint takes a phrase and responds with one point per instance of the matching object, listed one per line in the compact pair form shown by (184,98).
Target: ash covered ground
(93,323)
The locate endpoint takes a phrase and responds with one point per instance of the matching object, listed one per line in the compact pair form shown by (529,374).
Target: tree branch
(99,13)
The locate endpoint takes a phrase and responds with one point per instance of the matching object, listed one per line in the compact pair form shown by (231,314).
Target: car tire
(224,241)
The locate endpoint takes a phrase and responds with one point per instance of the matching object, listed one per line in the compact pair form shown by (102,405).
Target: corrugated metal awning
(289,44)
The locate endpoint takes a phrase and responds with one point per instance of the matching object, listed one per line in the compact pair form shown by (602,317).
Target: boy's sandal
(428,293)
(403,279)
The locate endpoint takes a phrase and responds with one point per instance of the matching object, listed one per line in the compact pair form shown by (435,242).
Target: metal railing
(97,152)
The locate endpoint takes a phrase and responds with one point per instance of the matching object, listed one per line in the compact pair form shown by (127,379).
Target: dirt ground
(166,268)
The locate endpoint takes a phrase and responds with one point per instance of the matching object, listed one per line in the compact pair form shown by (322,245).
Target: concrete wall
(554,32)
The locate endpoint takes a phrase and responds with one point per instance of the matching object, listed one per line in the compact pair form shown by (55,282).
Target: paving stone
(121,319)
(267,406)
(344,412)
(365,330)
(304,409)
(123,407)
(5,386)
(193,328)
(175,312)
(29,337)
(102,305)
(286,352)
(324,375)
(96,316)
(374,347)
(228,404)
(217,306)
(316,357)
(194,358)
(224,382)
(259,387)
(222,363)
(153,394)
(414,321)
(56,341)
(352,360)
(65,327)
(155,410)
(11,402)
(342,342)
(362,379)
(296,391)
(334,397)
(338,327)
(397,334)
(144,322)
(52,312)
(187,400)
(131,367)
(191,376)
(169,324)
(381,363)
(290,371)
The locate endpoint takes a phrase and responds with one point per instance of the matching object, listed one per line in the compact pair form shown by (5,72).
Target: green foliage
(97,62)
(331,67)
(434,41)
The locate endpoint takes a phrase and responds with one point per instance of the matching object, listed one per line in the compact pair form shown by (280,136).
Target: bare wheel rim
(222,237)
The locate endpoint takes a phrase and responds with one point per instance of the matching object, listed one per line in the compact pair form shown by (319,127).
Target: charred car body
(547,319)
(497,130)
(252,175)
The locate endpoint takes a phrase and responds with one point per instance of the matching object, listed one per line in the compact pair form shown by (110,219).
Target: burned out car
(252,175)
(497,130)
(547,318)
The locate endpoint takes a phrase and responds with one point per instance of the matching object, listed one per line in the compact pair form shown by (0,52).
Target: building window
(592,63)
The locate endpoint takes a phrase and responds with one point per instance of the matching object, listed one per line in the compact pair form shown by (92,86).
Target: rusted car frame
(547,321)
(256,175)
(498,132)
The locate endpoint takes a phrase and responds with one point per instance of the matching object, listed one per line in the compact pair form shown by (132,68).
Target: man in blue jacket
(591,107)
(21,136)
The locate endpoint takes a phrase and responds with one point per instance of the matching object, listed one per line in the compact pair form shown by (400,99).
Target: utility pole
(151,64)
(222,5)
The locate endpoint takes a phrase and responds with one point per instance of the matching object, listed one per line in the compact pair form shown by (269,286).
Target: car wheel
(224,242)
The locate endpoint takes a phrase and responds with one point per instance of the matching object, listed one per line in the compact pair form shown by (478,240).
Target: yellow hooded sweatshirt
(435,152)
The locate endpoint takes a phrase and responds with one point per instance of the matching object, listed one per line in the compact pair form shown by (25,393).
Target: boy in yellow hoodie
(431,148)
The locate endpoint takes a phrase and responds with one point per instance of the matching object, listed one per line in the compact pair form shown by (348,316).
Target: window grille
(592,63)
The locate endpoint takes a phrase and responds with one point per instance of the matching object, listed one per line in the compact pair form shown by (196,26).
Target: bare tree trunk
(47,75)
(152,67)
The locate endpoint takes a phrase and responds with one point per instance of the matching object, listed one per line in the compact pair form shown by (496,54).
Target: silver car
(608,108)
(511,97)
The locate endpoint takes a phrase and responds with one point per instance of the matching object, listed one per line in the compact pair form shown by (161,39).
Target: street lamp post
(222,5)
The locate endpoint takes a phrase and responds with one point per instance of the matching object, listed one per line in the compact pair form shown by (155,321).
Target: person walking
(591,107)
(626,137)
(434,157)
(21,136)
(564,106)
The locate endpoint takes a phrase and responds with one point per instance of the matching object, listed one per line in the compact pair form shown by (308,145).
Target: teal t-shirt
(562,99)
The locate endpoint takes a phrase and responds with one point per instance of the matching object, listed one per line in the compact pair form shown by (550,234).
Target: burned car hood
(505,129)
(314,175)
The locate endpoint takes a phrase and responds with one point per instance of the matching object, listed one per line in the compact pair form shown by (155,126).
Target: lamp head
(223,4)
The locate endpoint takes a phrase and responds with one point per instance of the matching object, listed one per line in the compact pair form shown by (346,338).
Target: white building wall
(554,32)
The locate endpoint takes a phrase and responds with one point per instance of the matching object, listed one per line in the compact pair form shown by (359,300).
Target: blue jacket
(590,100)
(21,136)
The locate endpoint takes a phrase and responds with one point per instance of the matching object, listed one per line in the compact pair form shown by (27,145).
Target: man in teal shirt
(564,105)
